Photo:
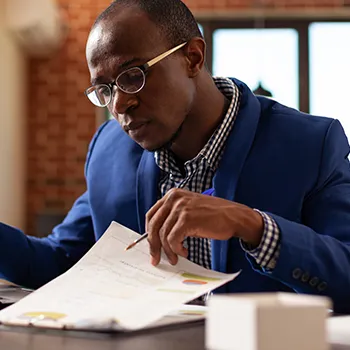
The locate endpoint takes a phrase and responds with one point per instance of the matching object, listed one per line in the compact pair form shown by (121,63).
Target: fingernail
(173,261)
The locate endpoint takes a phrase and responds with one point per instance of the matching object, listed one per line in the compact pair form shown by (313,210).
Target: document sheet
(110,288)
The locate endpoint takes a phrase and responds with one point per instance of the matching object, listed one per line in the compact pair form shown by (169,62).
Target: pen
(141,238)
(208,192)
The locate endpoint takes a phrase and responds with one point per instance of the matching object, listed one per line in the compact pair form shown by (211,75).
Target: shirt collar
(212,150)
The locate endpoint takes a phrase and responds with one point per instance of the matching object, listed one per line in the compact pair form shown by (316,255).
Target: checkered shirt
(199,173)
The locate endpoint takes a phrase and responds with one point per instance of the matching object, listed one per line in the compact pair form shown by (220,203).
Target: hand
(180,214)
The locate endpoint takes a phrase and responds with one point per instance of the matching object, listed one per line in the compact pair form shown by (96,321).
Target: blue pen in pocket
(209,192)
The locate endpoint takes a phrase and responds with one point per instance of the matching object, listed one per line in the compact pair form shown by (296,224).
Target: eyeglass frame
(143,68)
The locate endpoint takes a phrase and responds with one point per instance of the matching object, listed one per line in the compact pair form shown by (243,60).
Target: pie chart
(194,282)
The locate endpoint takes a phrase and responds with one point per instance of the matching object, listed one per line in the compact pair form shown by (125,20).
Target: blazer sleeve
(315,255)
(31,261)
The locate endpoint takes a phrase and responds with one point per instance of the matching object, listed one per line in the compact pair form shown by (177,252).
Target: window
(269,56)
(330,71)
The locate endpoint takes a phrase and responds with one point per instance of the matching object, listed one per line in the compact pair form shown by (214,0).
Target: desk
(189,337)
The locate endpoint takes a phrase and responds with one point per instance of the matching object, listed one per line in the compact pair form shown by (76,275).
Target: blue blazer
(291,165)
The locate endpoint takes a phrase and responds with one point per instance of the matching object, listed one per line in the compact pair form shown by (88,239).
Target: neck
(210,108)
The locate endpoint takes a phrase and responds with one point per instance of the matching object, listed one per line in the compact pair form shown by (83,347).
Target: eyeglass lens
(101,95)
(132,80)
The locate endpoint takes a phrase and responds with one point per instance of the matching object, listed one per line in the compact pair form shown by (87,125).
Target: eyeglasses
(131,81)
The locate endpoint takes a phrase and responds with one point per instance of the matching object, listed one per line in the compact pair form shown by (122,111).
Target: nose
(122,101)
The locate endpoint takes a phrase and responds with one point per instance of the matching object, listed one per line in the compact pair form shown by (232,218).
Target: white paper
(185,314)
(111,287)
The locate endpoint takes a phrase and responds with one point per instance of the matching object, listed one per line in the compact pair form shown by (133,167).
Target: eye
(132,80)
(103,90)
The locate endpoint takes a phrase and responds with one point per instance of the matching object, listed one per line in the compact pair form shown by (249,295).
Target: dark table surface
(185,337)
(178,337)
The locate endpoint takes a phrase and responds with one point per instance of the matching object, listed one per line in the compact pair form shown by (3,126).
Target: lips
(139,131)
(134,126)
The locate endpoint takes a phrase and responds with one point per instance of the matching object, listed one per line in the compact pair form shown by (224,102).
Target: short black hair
(172,17)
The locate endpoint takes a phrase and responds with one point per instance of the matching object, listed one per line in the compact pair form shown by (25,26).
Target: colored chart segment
(39,316)
(197,278)
(194,282)
(192,312)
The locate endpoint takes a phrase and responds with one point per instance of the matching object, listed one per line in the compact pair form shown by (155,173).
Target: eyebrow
(101,79)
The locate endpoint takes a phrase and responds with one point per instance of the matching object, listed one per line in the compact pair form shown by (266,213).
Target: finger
(153,239)
(151,212)
(154,249)
(153,227)
(170,198)
(168,224)
(176,239)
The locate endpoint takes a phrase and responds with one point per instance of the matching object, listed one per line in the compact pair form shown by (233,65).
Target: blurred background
(295,51)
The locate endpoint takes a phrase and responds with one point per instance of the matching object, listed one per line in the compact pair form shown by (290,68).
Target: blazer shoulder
(293,120)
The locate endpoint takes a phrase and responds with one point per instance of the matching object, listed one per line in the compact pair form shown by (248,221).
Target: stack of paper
(11,293)
(114,289)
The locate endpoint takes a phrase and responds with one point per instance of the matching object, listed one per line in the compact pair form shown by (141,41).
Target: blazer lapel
(146,186)
(236,151)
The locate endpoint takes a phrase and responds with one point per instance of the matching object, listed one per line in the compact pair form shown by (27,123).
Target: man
(277,182)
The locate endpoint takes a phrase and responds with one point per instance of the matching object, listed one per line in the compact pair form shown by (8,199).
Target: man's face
(155,114)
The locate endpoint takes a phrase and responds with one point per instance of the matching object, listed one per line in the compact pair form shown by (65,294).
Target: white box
(266,321)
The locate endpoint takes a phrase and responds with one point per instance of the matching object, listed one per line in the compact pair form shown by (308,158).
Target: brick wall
(61,120)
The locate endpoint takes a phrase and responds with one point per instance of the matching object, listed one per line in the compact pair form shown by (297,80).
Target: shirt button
(305,277)
(322,286)
(314,281)
(297,273)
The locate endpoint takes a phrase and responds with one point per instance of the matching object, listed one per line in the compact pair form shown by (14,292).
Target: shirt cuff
(267,253)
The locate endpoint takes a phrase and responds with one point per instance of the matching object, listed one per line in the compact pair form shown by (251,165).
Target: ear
(195,56)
